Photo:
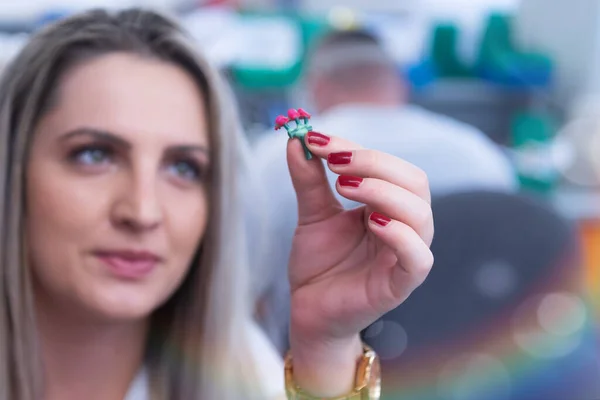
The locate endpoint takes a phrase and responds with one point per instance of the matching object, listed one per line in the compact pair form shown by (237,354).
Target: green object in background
(497,35)
(496,48)
(444,52)
(532,141)
(261,77)
(501,60)
(313,29)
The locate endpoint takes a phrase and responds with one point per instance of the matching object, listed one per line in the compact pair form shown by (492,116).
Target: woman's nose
(138,207)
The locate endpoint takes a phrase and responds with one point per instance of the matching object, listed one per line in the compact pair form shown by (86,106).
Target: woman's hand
(349,267)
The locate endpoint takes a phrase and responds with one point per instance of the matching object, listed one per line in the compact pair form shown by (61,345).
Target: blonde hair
(196,347)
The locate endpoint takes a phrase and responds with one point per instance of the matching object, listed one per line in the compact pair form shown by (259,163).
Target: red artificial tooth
(293,114)
(280,121)
(303,114)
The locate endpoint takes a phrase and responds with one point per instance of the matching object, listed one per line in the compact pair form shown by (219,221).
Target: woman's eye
(187,170)
(92,155)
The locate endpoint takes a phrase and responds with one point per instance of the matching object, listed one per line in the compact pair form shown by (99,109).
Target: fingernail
(350,181)
(318,139)
(380,219)
(344,157)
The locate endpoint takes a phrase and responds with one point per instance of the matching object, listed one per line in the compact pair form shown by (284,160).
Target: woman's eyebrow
(96,134)
(106,136)
(191,148)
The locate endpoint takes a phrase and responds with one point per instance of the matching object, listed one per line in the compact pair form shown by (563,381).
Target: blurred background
(511,310)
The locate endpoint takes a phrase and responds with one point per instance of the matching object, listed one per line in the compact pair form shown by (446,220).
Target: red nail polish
(350,181)
(318,139)
(380,219)
(344,157)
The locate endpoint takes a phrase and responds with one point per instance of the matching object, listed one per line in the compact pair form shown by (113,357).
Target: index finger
(370,163)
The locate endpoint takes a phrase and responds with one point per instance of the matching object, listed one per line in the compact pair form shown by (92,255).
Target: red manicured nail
(318,139)
(380,219)
(344,157)
(350,181)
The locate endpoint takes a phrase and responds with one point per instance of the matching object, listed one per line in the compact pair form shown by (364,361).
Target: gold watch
(367,383)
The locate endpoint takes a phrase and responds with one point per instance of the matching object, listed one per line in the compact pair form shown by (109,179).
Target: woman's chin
(122,305)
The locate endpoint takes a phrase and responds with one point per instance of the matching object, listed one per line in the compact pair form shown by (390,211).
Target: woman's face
(116,195)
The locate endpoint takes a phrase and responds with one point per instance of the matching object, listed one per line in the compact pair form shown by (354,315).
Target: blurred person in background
(358,94)
(122,268)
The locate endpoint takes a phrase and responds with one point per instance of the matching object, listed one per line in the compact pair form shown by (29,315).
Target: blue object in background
(518,76)
(420,75)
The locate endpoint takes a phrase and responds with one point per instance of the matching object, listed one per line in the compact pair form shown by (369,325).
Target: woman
(122,270)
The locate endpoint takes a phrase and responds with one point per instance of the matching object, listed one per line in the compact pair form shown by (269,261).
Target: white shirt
(267,363)
(140,388)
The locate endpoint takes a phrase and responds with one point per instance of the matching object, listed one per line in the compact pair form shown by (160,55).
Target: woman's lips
(129,264)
